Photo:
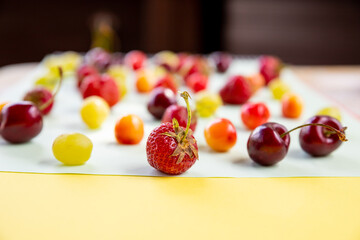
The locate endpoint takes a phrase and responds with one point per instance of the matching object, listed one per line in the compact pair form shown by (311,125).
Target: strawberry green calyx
(51,100)
(184,138)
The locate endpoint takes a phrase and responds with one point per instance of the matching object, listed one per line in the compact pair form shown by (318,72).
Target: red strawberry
(236,91)
(40,96)
(135,59)
(103,86)
(270,68)
(167,82)
(197,82)
(180,114)
(170,148)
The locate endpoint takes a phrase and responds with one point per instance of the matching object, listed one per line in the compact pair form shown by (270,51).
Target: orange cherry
(129,129)
(143,82)
(292,105)
(220,135)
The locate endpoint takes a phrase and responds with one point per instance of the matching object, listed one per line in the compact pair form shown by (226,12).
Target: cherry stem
(51,100)
(185,95)
(340,133)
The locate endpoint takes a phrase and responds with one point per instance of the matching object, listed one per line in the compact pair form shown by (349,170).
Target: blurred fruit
(68,61)
(129,129)
(84,71)
(221,60)
(39,96)
(20,122)
(98,58)
(270,68)
(207,103)
(49,80)
(292,105)
(72,149)
(167,59)
(220,135)
(119,73)
(197,82)
(236,91)
(180,114)
(160,99)
(330,111)
(167,81)
(135,59)
(254,114)
(103,86)
(2,105)
(94,111)
(256,82)
(192,64)
(143,83)
(278,88)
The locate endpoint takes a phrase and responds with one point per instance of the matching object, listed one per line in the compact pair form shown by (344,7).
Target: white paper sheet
(110,158)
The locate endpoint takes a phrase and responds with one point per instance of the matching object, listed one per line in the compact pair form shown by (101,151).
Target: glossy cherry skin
(40,96)
(180,114)
(160,99)
(20,122)
(265,146)
(316,140)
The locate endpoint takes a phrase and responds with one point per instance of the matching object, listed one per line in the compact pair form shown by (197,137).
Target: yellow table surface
(44,206)
(64,206)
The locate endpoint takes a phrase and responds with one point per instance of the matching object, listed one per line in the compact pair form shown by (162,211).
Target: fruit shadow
(238,159)
(299,154)
(22,150)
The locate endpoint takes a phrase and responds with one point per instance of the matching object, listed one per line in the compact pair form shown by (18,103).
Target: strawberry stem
(185,95)
(51,100)
(340,133)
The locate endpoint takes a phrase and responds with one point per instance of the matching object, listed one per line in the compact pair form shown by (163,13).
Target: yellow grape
(278,88)
(94,111)
(119,73)
(72,149)
(331,111)
(207,103)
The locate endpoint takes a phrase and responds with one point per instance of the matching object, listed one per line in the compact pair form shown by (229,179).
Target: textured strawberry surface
(159,149)
(236,91)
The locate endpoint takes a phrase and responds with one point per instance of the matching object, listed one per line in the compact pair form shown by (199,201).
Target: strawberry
(103,86)
(270,68)
(170,148)
(236,91)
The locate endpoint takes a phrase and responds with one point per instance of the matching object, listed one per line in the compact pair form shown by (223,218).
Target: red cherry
(221,60)
(254,114)
(103,86)
(168,82)
(266,146)
(39,96)
(160,99)
(20,122)
(197,82)
(99,58)
(135,59)
(84,71)
(320,141)
(236,91)
(180,114)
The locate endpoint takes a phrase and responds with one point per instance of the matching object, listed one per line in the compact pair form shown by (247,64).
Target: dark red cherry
(320,141)
(180,114)
(20,122)
(160,99)
(265,145)
(222,61)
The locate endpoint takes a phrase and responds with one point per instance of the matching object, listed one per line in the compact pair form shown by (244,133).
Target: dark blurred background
(298,31)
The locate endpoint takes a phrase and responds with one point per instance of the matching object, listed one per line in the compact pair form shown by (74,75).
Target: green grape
(94,111)
(72,149)
(330,111)
(278,88)
(207,103)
